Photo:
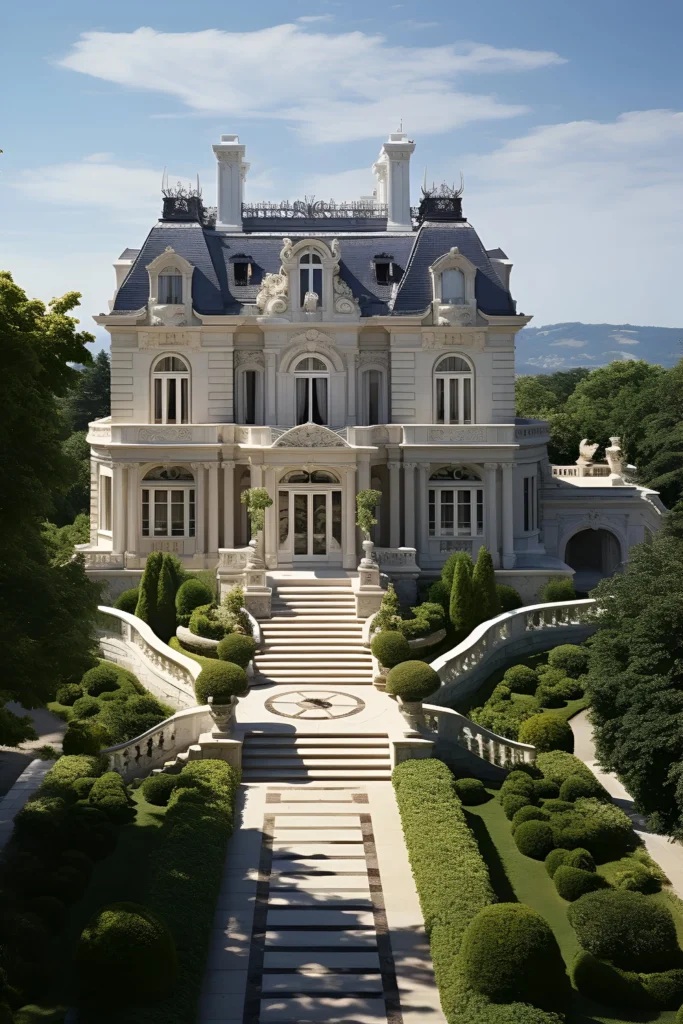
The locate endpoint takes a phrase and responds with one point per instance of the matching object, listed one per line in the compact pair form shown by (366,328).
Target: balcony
(466,434)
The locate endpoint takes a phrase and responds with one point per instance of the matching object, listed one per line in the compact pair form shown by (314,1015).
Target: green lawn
(517,878)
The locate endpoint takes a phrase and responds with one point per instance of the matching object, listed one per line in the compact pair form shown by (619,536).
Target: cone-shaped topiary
(390,648)
(191,594)
(130,938)
(412,680)
(148,589)
(389,612)
(237,648)
(547,732)
(221,680)
(486,601)
(462,611)
(448,569)
(164,621)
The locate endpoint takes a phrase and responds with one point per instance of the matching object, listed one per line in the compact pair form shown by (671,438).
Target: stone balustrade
(130,642)
(453,728)
(136,758)
(581,470)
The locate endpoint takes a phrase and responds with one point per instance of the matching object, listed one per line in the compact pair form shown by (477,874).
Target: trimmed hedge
(553,806)
(509,953)
(221,680)
(85,737)
(481,1012)
(390,648)
(534,839)
(471,791)
(579,858)
(129,939)
(451,876)
(237,648)
(572,882)
(69,694)
(508,597)
(546,789)
(203,624)
(513,802)
(627,928)
(521,679)
(603,829)
(576,786)
(547,732)
(555,859)
(157,789)
(412,680)
(99,679)
(128,600)
(518,781)
(109,794)
(191,594)
(528,813)
(558,588)
(60,779)
(85,707)
(662,990)
(572,659)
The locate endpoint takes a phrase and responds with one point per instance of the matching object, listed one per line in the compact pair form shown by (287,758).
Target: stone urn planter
(223,716)
(379,678)
(412,713)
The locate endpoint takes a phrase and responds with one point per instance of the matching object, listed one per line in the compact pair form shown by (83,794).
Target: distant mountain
(560,346)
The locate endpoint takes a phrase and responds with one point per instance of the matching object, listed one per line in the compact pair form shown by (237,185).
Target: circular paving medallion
(312,705)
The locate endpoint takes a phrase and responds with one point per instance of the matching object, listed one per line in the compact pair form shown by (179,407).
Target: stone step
(331,774)
(304,655)
(348,627)
(320,755)
(315,648)
(325,676)
(306,591)
(314,740)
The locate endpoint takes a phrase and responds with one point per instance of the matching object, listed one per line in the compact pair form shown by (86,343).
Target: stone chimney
(230,174)
(392,170)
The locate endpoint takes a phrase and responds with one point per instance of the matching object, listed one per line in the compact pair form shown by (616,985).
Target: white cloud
(310,18)
(569,343)
(332,87)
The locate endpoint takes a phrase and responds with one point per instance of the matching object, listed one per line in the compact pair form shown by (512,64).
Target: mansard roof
(213,253)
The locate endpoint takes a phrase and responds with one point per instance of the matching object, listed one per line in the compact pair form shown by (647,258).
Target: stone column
(228,504)
(255,474)
(409,504)
(118,524)
(491,511)
(349,518)
(199,508)
(133,506)
(212,504)
(271,389)
(508,517)
(363,473)
(270,532)
(423,508)
(351,364)
(394,504)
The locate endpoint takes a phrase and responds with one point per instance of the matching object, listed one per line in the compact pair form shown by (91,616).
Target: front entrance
(310,525)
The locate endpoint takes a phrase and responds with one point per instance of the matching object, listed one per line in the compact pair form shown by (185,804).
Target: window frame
(453,387)
(148,492)
(310,265)
(474,504)
(530,503)
(105,508)
(161,392)
(460,300)
(247,273)
(170,274)
(310,376)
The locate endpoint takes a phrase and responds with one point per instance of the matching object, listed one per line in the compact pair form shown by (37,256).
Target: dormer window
(452,287)
(310,276)
(242,274)
(383,272)
(386,270)
(170,289)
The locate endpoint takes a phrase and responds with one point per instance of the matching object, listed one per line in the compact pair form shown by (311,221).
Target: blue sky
(566,120)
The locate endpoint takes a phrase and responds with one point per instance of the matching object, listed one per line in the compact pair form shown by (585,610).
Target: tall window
(168,503)
(453,391)
(171,390)
(312,377)
(372,397)
(310,276)
(452,287)
(530,522)
(170,289)
(456,504)
(105,502)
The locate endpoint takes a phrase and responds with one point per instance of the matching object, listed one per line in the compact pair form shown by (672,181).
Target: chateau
(318,349)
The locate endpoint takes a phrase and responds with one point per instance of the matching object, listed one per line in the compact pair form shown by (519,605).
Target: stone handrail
(452,727)
(137,757)
(166,673)
(534,627)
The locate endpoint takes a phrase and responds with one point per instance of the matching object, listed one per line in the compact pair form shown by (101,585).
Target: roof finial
(164,180)
(400,125)
(424,180)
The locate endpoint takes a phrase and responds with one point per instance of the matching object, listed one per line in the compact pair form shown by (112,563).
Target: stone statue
(616,459)
(272,298)
(344,301)
(586,453)
(310,302)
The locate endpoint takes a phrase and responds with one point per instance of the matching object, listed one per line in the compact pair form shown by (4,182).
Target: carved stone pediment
(168,316)
(310,435)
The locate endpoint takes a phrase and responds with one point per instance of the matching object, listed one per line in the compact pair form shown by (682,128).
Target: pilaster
(409,504)
(228,504)
(508,517)
(491,511)
(394,468)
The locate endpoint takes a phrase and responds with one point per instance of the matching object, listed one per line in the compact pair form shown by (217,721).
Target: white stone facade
(319,355)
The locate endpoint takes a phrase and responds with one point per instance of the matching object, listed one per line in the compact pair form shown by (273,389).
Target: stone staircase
(303,757)
(314,636)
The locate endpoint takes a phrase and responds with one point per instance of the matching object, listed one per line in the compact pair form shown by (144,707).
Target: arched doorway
(593,554)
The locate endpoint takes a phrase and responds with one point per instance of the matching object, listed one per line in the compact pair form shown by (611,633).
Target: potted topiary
(366,503)
(257,501)
(411,682)
(390,649)
(219,685)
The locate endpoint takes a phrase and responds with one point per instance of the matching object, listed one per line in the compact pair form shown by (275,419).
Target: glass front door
(310,524)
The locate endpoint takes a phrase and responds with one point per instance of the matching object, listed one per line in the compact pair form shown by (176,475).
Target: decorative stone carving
(373,356)
(456,435)
(248,357)
(454,315)
(287,251)
(586,452)
(616,460)
(344,301)
(310,435)
(273,297)
(168,316)
(310,302)
(165,434)
(169,339)
(455,545)
(473,340)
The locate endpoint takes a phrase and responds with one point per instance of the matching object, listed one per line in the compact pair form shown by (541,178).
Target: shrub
(140,946)
(85,738)
(637,879)
(109,795)
(82,787)
(450,874)
(125,720)
(203,623)
(33,1014)
(555,694)
(576,786)
(65,773)
(480,1011)
(558,765)
(191,594)
(50,910)
(509,953)
(157,789)
(557,589)
(440,594)
(557,806)
(518,781)
(88,830)
(534,839)
(572,882)
(528,813)
(128,600)
(545,789)
(237,648)
(164,623)
(449,566)
(85,707)
(579,858)
(486,600)
(149,585)
(606,983)
(521,679)
(221,680)
(100,679)
(631,930)
(513,802)
(471,791)
(547,732)
(412,680)
(389,614)
(508,597)
(573,660)
(390,648)
(462,609)
(603,829)
(665,988)
(69,694)
(555,859)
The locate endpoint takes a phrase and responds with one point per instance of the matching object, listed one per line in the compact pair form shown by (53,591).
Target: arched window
(310,276)
(456,503)
(170,289)
(312,379)
(453,391)
(452,287)
(168,502)
(171,390)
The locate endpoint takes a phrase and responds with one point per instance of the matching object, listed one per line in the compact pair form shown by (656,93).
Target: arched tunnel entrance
(593,554)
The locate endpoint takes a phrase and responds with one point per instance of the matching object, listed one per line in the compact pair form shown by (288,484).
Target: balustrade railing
(137,757)
(452,727)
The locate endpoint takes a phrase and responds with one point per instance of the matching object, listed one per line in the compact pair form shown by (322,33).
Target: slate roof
(213,255)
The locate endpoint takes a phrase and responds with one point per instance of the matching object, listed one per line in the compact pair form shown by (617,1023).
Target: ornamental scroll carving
(310,435)
(344,301)
(455,435)
(168,316)
(248,357)
(273,297)
(473,340)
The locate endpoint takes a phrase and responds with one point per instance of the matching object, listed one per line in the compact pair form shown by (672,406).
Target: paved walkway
(318,918)
(667,853)
(12,802)
(13,760)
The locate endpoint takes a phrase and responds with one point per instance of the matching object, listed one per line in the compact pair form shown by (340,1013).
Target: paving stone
(321,1008)
(312,939)
(325,982)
